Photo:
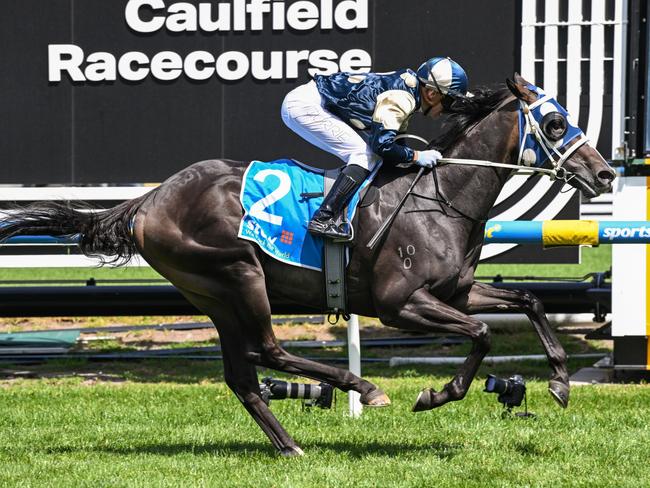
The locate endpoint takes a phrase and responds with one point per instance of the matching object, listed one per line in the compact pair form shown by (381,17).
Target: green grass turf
(174,433)
(82,274)
(175,423)
(593,259)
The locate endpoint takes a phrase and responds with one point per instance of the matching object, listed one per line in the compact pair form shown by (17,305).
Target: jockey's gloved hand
(428,159)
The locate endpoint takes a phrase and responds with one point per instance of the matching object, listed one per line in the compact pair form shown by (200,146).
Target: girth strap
(334,267)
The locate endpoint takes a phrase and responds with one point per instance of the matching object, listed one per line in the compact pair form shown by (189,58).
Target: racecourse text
(135,66)
(148,16)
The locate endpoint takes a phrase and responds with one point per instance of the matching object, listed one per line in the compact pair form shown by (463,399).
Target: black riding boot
(323,223)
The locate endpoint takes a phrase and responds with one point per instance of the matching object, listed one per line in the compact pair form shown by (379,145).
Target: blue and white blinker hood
(535,147)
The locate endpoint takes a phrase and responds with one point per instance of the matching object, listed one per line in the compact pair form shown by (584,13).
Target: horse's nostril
(606,176)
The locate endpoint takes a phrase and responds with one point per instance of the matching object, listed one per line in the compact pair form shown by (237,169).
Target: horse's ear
(519,88)
(520,79)
(512,86)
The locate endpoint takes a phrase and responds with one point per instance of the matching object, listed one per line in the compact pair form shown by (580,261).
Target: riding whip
(384,227)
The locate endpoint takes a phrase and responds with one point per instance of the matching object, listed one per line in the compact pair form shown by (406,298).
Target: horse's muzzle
(605,179)
(596,184)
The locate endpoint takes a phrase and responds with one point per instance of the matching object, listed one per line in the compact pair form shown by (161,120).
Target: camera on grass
(320,395)
(512,392)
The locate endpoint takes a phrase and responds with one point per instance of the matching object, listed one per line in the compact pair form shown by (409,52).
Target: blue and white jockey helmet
(443,75)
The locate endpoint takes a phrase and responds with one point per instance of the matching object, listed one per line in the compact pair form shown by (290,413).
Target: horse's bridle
(555,156)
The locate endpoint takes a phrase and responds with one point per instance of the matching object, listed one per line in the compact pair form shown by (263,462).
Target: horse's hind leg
(243,319)
(240,375)
(484,298)
(424,312)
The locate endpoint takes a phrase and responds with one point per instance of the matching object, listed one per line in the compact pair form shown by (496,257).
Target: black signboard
(130,91)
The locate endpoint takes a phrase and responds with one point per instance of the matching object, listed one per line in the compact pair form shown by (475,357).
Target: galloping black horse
(186,229)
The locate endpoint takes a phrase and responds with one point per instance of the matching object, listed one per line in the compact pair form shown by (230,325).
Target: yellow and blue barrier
(568,232)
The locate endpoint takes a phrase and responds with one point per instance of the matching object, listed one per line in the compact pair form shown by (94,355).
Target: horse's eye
(554,126)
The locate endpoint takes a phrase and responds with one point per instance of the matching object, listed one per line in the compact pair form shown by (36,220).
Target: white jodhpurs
(303,113)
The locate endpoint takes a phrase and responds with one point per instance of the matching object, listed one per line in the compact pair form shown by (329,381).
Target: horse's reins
(556,173)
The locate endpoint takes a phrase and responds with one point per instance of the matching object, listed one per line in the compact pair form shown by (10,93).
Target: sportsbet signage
(639,231)
(151,17)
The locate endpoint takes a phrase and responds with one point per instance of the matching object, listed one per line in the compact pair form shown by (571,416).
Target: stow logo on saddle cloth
(545,129)
(276,215)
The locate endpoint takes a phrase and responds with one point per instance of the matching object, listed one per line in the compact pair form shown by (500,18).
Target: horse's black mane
(466,112)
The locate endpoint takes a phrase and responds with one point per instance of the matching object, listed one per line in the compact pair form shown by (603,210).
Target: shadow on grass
(527,449)
(440,450)
(236,448)
(228,448)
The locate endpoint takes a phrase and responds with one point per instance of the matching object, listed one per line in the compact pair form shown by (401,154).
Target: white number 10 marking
(410,250)
(258,208)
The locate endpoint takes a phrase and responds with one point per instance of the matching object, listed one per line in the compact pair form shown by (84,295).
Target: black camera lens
(511,391)
(320,395)
(495,385)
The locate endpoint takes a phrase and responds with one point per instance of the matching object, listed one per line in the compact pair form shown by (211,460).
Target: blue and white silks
(276,215)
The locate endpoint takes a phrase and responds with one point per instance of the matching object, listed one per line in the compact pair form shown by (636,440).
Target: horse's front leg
(424,312)
(483,298)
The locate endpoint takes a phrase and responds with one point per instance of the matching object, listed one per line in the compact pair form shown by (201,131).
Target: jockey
(357,118)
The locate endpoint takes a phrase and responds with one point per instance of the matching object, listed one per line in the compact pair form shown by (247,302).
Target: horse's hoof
(560,392)
(291,452)
(424,401)
(375,398)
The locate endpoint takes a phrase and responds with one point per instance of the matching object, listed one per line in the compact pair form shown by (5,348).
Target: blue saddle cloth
(277,209)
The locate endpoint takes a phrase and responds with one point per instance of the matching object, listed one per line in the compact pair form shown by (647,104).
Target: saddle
(279,198)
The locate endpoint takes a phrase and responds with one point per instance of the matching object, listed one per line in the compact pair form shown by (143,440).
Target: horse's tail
(103,234)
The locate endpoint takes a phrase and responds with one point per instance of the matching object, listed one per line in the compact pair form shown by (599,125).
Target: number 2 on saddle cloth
(279,198)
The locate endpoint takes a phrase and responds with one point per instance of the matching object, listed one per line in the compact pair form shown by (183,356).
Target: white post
(528,19)
(354,360)
(596,71)
(574,60)
(630,275)
(551,52)
(618,102)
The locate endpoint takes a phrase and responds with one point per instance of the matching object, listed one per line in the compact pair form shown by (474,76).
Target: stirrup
(347,233)
(330,230)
